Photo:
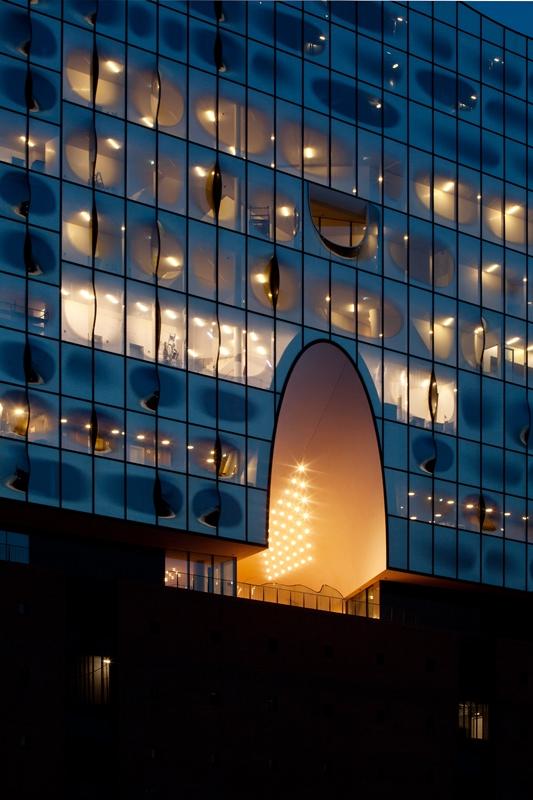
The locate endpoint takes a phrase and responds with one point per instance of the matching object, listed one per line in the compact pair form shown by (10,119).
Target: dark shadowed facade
(265,342)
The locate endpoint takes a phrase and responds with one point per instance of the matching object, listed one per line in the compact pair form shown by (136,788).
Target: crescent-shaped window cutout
(343,223)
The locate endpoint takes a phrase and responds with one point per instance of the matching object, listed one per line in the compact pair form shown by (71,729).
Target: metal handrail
(291,597)
(280,595)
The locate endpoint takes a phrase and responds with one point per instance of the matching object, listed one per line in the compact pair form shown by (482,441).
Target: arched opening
(327,520)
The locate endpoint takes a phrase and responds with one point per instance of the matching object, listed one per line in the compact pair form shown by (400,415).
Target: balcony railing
(291,597)
(276,594)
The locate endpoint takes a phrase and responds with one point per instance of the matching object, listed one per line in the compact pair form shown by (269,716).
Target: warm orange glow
(327,512)
(290,541)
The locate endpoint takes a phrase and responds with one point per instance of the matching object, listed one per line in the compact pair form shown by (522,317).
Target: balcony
(280,595)
(364,604)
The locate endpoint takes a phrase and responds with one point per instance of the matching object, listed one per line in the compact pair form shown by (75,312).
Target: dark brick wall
(216,696)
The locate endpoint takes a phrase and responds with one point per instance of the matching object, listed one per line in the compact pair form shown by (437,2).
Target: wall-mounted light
(31,143)
(114,67)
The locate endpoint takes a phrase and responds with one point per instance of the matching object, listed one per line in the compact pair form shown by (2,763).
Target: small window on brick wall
(92,680)
(473,720)
(14,547)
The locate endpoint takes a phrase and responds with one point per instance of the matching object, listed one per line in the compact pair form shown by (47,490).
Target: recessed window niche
(346,225)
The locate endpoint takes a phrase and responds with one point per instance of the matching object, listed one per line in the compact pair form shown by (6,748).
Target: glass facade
(191,194)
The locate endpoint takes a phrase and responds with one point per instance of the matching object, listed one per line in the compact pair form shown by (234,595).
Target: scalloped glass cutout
(343,223)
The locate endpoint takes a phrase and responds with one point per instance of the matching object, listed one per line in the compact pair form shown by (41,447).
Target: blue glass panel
(469,556)
(76,481)
(44,475)
(420,547)
(256,528)
(515,565)
(397,543)
(445,552)
(492,561)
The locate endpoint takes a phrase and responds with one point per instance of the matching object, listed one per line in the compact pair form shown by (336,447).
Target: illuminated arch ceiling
(327,502)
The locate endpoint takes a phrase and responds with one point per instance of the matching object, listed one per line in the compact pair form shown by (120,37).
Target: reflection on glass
(147,91)
(79,154)
(42,143)
(110,86)
(431,398)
